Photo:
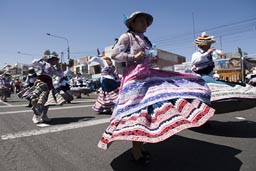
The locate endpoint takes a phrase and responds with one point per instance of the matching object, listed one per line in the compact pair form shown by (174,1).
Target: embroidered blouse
(201,59)
(46,68)
(128,45)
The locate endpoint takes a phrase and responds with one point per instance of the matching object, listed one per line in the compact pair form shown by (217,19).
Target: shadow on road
(233,105)
(182,154)
(241,129)
(67,120)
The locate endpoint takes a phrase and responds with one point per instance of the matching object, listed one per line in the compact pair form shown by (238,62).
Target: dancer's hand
(139,56)
(211,50)
(155,59)
(44,58)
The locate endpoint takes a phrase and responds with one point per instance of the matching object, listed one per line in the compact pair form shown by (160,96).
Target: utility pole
(242,64)
(220,43)
(61,59)
(194,30)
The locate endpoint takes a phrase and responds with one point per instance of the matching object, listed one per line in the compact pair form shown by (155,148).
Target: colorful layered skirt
(40,94)
(4,91)
(153,105)
(107,96)
(105,101)
(221,90)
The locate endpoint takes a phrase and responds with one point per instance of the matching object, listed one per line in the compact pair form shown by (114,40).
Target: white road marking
(24,105)
(52,129)
(81,101)
(42,125)
(240,118)
(5,103)
(56,108)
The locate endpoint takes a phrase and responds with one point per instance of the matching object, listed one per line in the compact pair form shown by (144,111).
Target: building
(166,61)
(80,65)
(18,70)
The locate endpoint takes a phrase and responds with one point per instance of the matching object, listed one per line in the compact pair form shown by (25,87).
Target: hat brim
(149,19)
(204,42)
(7,73)
(53,57)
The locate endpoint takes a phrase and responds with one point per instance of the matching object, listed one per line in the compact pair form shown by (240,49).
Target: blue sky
(92,24)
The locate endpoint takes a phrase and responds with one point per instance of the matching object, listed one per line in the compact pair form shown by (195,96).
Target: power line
(223,33)
(218,28)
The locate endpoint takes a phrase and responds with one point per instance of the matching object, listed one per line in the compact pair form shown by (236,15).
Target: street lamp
(28,54)
(19,65)
(48,34)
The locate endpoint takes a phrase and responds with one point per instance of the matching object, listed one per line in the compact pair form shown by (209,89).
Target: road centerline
(52,129)
(50,109)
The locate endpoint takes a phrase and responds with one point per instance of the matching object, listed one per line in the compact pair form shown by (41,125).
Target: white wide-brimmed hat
(31,71)
(204,39)
(50,57)
(6,73)
(129,20)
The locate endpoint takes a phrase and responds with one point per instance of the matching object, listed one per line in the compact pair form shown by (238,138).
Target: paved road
(69,141)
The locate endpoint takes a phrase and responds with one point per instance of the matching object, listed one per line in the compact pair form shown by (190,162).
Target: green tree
(47,52)
(55,54)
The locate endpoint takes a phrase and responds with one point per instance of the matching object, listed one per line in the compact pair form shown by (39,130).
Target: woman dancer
(42,94)
(109,85)
(5,85)
(202,59)
(152,105)
(203,64)
(62,86)
(30,80)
